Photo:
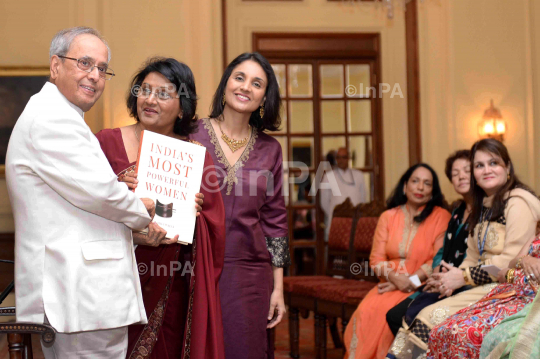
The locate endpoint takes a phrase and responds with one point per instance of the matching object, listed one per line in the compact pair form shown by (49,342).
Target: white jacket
(74,257)
(343,184)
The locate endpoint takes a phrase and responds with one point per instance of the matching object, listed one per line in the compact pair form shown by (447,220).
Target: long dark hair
(180,75)
(398,197)
(496,148)
(271,119)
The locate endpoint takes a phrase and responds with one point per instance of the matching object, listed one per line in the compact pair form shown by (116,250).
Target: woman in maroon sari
(182,305)
(249,169)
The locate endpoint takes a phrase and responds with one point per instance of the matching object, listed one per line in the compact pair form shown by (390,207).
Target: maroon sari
(183,310)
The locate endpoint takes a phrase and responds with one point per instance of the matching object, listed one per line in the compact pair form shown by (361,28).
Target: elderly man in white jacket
(74,259)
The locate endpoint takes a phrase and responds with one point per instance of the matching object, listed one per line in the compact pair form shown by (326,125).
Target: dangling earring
(223,101)
(261,111)
(508,177)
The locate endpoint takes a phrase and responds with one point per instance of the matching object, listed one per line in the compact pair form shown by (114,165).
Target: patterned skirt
(412,342)
(461,335)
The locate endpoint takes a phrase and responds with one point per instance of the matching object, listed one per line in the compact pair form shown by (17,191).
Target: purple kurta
(253,219)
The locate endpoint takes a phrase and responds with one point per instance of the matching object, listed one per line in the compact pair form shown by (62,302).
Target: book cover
(170,172)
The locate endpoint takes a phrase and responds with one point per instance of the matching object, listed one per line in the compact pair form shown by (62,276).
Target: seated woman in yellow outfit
(407,237)
(503,219)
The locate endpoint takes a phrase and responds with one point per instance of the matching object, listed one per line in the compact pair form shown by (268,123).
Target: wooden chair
(360,246)
(327,295)
(297,289)
(19,333)
(340,299)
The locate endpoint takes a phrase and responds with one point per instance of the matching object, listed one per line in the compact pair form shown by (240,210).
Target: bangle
(510,275)
(465,277)
(518,264)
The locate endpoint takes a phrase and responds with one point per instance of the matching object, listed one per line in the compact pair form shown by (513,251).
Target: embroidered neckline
(410,228)
(494,233)
(231,170)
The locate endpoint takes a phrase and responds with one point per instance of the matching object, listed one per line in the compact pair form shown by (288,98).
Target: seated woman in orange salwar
(407,237)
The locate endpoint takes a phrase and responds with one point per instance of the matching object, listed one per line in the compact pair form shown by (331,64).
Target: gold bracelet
(510,275)
(465,277)
(518,264)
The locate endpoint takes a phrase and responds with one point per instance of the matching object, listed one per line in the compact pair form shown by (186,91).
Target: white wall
(187,30)
(471,52)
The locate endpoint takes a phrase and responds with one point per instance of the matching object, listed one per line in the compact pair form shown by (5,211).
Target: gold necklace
(233,144)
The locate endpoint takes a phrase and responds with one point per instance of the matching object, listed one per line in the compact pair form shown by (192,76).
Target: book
(170,172)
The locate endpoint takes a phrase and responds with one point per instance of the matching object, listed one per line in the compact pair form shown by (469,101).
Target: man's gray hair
(61,42)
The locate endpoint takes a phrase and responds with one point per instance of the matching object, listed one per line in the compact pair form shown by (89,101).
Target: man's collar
(52,87)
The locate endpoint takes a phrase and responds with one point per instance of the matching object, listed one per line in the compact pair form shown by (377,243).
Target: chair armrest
(47,332)
(9,288)
(7,311)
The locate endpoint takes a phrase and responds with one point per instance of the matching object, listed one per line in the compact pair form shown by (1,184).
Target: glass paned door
(326,105)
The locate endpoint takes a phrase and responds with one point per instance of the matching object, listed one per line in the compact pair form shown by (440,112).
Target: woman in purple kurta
(256,245)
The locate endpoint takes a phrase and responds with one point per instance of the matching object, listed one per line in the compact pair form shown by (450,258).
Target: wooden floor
(282,343)
(307,338)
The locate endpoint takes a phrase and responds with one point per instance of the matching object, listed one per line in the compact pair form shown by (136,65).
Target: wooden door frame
(365,46)
(413,82)
(317,47)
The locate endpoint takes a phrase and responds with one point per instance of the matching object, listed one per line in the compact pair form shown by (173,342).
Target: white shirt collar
(49,86)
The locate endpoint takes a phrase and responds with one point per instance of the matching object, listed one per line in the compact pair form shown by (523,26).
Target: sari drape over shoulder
(179,283)
(406,246)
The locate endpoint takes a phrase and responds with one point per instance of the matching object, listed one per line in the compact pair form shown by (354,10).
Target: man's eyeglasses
(88,66)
